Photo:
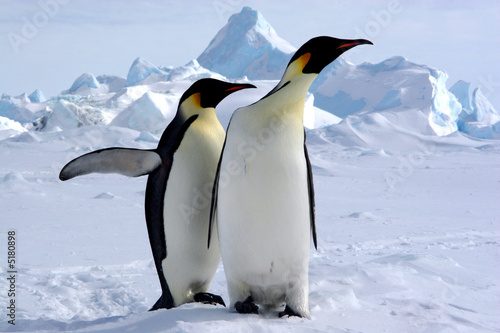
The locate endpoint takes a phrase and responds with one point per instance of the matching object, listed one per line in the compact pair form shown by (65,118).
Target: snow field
(416,256)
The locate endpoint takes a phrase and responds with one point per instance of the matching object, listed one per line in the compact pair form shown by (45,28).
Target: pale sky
(47,44)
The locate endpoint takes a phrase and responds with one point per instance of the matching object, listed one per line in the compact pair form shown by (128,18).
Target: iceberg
(63,114)
(114,83)
(20,108)
(141,70)
(477,118)
(37,97)
(393,85)
(152,112)
(247,46)
(461,91)
(395,95)
(9,128)
(444,105)
(84,81)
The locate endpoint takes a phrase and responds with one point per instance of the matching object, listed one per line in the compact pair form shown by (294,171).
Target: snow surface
(406,176)
(408,240)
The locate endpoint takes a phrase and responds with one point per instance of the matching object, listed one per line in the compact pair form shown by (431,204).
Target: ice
(478,117)
(445,107)
(9,127)
(113,82)
(85,80)
(394,86)
(37,96)
(152,112)
(247,46)
(20,108)
(65,114)
(461,91)
(140,70)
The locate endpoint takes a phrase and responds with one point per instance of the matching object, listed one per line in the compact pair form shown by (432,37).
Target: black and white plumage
(264,195)
(178,170)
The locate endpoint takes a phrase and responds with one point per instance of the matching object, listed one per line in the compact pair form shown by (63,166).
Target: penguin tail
(164,302)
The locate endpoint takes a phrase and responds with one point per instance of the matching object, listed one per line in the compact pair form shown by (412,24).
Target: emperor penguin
(263,194)
(181,169)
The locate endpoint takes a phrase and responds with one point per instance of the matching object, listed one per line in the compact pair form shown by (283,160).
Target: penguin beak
(352,43)
(239,87)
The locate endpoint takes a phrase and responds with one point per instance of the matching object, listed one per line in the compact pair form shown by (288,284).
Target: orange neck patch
(196,99)
(303,60)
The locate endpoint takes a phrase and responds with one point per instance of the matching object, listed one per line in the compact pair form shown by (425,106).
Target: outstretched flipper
(124,161)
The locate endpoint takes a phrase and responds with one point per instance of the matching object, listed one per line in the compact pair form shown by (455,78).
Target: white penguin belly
(189,266)
(263,216)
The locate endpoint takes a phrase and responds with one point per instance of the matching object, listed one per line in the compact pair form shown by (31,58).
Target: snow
(9,127)
(408,240)
(406,178)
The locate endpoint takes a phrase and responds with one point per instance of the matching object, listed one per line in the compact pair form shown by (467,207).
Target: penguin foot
(207,298)
(289,312)
(247,306)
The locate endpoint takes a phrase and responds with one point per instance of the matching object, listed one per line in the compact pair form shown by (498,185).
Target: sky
(47,44)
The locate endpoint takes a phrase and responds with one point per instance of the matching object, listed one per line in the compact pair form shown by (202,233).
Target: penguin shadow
(187,314)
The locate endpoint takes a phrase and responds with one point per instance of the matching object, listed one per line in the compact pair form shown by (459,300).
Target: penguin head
(205,94)
(318,52)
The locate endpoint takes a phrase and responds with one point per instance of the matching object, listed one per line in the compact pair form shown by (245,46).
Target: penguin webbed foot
(247,306)
(289,312)
(207,298)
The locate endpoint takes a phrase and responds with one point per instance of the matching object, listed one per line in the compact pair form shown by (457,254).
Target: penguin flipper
(310,190)
(215,189)
(125,161)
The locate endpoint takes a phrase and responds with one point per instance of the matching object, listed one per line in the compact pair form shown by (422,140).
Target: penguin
(263,195)
(181,172)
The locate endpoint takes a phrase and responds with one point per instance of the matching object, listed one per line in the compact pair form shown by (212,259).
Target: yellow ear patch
(303,60)
(196,99)
(296,67)
(192,105)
